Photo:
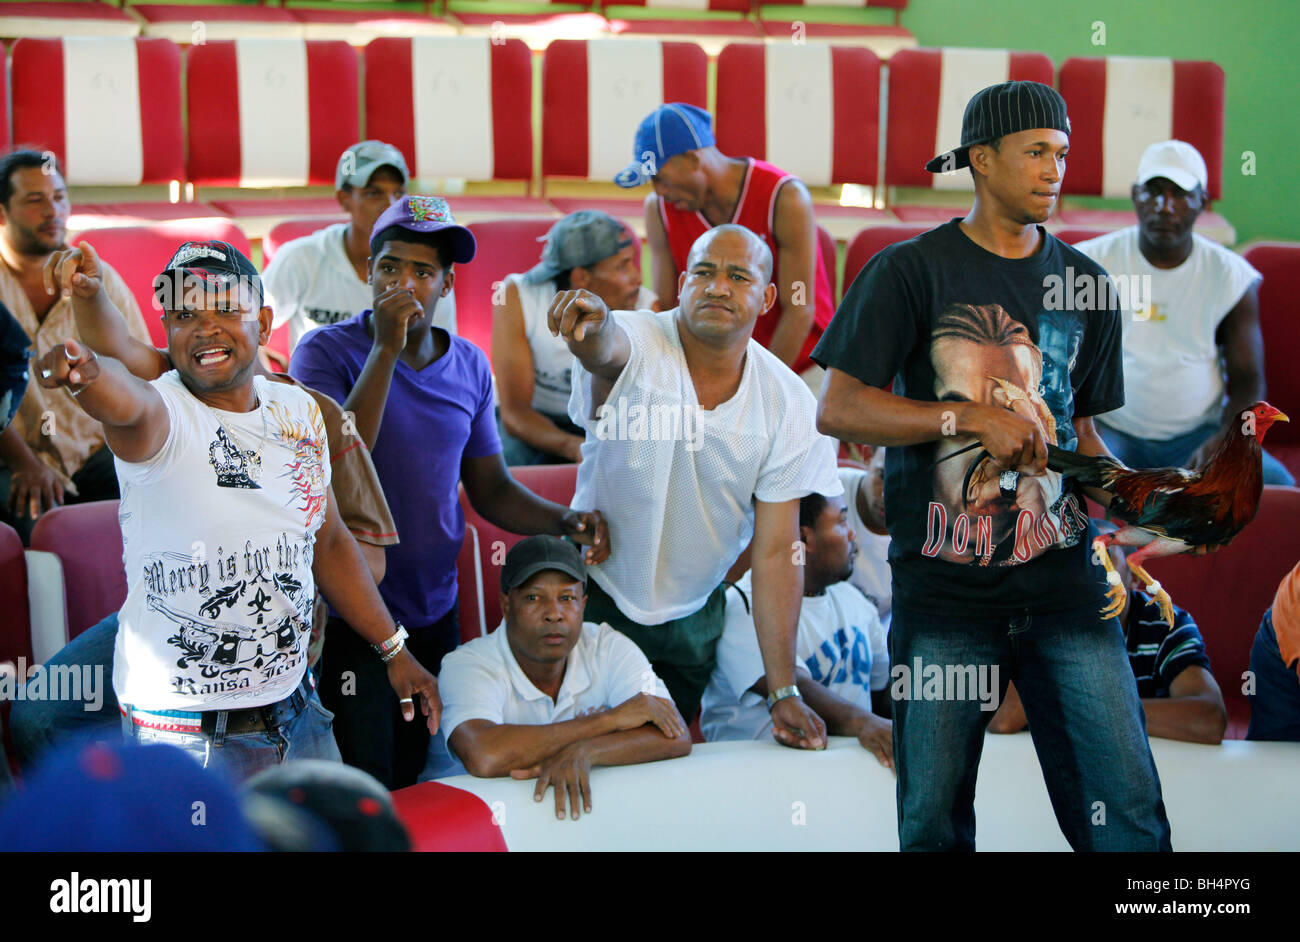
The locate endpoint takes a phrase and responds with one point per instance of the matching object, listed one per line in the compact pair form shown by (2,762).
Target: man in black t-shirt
(999,339)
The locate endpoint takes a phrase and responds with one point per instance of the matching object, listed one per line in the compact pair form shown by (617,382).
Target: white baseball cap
(1174,160)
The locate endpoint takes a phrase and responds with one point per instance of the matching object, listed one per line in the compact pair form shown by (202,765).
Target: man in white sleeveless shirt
(1193,352)
(588,249)
(228,522)
(697,438)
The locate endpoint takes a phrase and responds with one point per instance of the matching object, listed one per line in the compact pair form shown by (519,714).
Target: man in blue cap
(989,548)
(422,402)
(697,187)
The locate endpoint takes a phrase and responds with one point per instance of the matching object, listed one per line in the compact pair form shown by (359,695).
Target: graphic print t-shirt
(218,553)
(946,320)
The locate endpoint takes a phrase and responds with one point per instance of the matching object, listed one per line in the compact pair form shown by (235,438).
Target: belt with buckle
(222,723)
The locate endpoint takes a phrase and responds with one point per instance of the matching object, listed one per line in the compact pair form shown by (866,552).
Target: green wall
(1257,42)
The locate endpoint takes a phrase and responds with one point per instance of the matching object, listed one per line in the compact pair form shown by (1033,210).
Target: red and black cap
(212,265)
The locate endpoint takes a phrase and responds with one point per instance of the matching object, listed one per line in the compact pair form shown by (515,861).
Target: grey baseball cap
(538,554)
(359,162)
(579,240)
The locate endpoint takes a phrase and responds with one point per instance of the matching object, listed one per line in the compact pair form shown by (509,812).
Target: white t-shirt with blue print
(840,642)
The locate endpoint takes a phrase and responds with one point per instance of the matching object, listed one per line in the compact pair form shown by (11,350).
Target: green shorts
(683,652)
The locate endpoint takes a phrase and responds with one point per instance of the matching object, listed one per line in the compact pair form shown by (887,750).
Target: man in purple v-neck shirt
(421,399)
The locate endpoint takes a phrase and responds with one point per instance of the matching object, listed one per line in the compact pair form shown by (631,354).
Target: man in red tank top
(698,187)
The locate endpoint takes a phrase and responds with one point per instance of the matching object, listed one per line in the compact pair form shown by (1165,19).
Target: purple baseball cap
(426,214)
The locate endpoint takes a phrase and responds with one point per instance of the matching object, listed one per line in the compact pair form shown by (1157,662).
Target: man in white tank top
(698,438)
(590,250)
(228,525)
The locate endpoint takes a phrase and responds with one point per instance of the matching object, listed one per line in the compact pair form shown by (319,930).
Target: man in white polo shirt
(1193,352)
(321,278)
(697,438)
(547,695)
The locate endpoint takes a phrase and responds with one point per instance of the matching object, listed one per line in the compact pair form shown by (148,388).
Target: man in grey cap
(548,695)
(321,278)
(587,249)
(989,548)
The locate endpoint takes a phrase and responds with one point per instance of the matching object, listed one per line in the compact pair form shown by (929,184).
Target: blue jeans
(1275,704)
(1088,728)
(1147,453)
(309,735)
(38,725)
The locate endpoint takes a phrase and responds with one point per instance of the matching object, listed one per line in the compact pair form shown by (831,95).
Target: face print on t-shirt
(979,513)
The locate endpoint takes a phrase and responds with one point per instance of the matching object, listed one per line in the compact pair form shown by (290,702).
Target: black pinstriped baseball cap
(1000,110)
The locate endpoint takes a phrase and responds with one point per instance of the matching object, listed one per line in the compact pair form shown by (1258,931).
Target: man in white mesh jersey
(697,438)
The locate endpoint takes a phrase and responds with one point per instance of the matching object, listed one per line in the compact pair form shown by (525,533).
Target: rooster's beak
(1281,417)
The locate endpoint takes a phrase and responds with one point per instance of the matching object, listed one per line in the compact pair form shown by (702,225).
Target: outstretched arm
(132,412)
(78,274)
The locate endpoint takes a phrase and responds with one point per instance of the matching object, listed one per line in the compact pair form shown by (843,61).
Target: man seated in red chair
(229,523)
(549,696)
(697,187)
(587,249)
(1179,695)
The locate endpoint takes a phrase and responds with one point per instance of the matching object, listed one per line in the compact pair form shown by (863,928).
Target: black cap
(537,554)
(207,264)
(999,110)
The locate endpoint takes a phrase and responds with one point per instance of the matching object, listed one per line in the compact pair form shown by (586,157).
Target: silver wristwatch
(781,693)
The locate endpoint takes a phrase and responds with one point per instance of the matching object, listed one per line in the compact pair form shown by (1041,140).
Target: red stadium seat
(109,108)
(15,627)
(58,18)
(199,23)
(928,91)
(811,109)
(138,253)
(1227,592)
(700,19)
(1120,105)
(292,229)
(540,20)
(871,240)
(834,22)
(248,126)
(505,246)
(594,94)
(1279,313)
(454,106)
(555,482)
(88,541)
(360,25)
(1075,236)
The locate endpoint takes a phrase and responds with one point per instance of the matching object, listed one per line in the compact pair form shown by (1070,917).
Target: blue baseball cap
(667,131)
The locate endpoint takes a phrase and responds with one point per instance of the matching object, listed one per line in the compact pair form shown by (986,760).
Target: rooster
(1172,510)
